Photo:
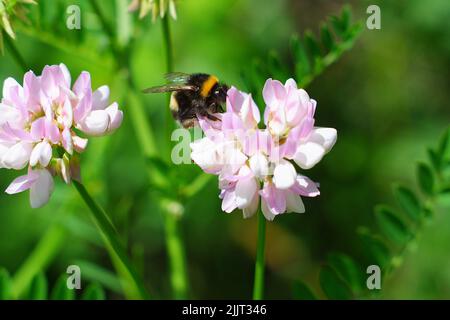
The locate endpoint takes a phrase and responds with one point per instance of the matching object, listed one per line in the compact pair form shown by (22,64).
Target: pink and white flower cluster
(254,163)
(40,123)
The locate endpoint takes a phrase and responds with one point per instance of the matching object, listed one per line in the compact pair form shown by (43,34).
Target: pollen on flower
(255,164)
(37,127)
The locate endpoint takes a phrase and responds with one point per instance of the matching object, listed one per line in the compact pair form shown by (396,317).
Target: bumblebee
(193,95)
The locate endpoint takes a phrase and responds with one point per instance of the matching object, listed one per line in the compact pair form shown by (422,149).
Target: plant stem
(111,238)
(108,29)
(174,242)
(258,288)
(175,252)
(15,53)
(169,68)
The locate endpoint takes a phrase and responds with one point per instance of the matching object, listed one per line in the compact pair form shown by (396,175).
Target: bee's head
(221,92)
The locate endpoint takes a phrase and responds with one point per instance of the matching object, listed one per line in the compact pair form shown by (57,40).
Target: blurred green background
(387,97)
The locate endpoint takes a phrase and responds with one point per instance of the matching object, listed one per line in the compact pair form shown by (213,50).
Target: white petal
(100,98)
(22,183)
(284,175)
(265,210)
(294,203)
(96,123)
(259,164)
(8,114)
(326,137)
(252,207)
(17,156)
(207,154)
(66,74)
(42,153)
(41,190)
(115,117)
(7,85)
(309,154)
(245,192)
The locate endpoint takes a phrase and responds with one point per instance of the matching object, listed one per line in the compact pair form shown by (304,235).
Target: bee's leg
(212,117)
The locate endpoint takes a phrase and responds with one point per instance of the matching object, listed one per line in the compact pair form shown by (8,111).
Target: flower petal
(22,183)
(245,192)
(294,203)
(41,190)
(42,153)
(326,137)
(17,156)
(100,98)
(284,175)
(252,207)
(304,186)
(115,117)
(96,123)
(309,154)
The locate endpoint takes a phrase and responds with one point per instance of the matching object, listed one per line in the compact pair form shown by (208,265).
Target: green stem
(174,242)
(175,252)
(258,288)
(167,43)
(106,26)
(170,124)
(15,53)
(111,238)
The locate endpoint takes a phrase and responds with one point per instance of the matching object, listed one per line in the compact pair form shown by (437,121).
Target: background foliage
(387,96)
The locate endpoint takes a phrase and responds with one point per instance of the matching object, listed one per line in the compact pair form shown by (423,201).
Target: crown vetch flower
(38,122)
(155,7)
(254,163)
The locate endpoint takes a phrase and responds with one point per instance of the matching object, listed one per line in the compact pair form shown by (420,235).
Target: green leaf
(426,178)
(61,291)
(302,66)
(276,68)
(302,292)
(313,49)
(338,26)
(326,38)
(5,285)
(346,17)
(93,292)
(392,227)
(408,201)
(333,286)
(443,148)
(435,159)
(375,250)
(347,269)
(38,288)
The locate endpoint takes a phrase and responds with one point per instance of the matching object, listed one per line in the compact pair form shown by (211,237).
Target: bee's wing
(177,77)
(169,88)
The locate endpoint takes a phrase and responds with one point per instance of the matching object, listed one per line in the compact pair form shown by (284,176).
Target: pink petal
(100,98)
(273,92)
(305,187)
(67,140)
(79,144)
(52,131)
(83,108)
(22,183)
(83,84)
(41,190)
(38,129)
(115,117)
(275,199)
